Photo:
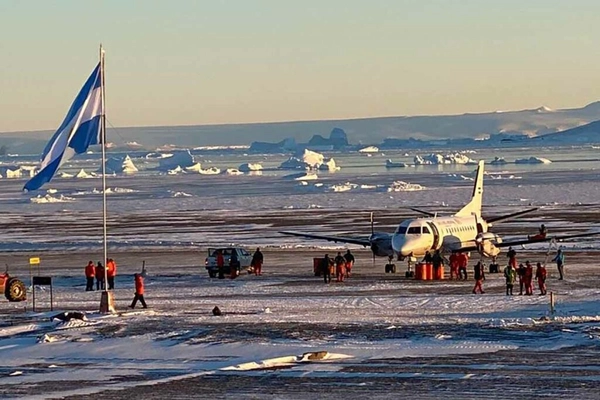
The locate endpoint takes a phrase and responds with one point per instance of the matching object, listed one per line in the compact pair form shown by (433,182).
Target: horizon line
(317,120)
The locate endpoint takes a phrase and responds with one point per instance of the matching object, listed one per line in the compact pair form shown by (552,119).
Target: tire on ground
(15,290)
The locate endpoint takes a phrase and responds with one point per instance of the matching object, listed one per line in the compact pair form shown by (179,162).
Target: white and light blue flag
(80,129)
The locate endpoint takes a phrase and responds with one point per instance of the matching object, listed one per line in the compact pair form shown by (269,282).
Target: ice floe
(436,159)
(498,161)
(39,199)
(233,171)
(533,160)
(369,149)
(391,164)
(401,186)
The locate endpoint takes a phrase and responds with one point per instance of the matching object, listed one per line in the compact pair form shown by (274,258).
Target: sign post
(42,281)
(33,262)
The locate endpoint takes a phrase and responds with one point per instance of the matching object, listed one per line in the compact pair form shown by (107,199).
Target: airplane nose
(400,245)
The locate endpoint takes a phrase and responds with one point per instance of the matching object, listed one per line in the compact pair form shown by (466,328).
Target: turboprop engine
(381,244)
(486,244)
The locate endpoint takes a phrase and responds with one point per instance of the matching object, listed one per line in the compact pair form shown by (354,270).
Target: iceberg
(83,174)
(247,167)
(533,160)
(370,149)
(329,165)
(210,171)
(308,160)
(182,159)
(437,159)
(175,171)
(498,161)
(401,186)
(16,171)
(194,168)
(233,171)
(39,199)
(119,165)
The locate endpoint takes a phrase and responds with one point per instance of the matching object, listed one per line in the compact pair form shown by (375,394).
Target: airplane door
(436,235)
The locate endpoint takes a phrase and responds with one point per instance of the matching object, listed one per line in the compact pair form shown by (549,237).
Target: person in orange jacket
(139,291)
(90,274)
(100,284)
(111,272)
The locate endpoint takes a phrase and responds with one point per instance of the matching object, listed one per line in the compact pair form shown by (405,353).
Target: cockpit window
(426,230)
(414,230)
(401,230)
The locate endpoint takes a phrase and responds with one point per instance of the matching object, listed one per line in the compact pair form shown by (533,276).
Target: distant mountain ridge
(533,122)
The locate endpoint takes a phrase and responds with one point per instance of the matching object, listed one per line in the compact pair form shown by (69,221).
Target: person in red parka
(540,274)
(528,279)
(90,274)
(139,291)
(111,272)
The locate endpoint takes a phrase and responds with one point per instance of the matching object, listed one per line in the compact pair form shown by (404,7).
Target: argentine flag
(80,129)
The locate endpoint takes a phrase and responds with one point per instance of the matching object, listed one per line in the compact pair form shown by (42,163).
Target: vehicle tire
(212,274)
(387,268)
(393,269)
(15,290)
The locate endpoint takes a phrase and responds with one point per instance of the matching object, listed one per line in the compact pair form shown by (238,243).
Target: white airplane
(464,231)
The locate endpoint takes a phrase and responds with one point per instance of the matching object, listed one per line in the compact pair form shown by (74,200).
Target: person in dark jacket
(428,259)
(100,284)
(512,257)
(438,262)
(521,275)
(234,264)
(325,268)
(560,263)
(257,261)
(528,278)
(479,278)
(349,257)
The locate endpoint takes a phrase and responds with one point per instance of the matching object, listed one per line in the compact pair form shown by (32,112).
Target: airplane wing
(429,214)
(502,218)
(519,242)
(341,239)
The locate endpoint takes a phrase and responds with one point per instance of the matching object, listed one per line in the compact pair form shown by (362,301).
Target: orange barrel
(439,273)
(419,271)
(317,265)
(428,271)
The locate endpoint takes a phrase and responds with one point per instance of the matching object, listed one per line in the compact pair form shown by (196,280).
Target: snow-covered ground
(384,335)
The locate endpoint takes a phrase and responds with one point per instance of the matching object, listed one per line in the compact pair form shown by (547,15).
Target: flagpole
(106,300)
(103,136)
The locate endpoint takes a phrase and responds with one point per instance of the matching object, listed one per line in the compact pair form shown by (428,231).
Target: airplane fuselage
(415,237)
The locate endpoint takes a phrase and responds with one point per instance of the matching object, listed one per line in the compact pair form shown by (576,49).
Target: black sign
(42,280)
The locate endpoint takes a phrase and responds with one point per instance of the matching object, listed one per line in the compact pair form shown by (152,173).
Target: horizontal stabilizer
(511,216)
(336,239)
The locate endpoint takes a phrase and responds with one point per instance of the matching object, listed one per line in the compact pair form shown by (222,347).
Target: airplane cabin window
(414,230)
(426,230)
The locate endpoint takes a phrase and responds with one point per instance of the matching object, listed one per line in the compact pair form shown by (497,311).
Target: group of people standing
(97,272)
(341,265)
(458,266)
(525,275)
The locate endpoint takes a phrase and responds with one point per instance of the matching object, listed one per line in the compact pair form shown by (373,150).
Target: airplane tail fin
(474,206)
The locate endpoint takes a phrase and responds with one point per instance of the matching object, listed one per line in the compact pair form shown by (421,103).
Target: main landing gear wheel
(15,290)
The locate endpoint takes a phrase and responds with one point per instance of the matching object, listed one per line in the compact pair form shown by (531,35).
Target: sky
(186,62)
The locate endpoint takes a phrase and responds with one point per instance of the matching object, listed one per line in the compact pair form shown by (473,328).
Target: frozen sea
(387,337)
